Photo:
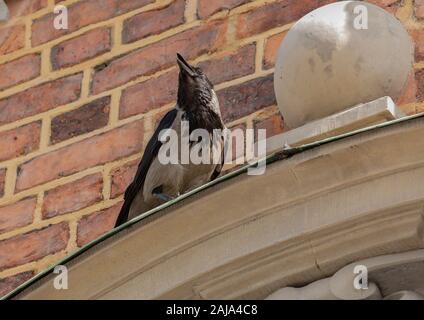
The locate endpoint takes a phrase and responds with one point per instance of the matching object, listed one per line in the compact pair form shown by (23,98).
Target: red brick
(232,66)
(33,245)
(243,99)
(274,15)
(19,70)
(10,283)
(271,48)
(389,5)
(95,225)
(73,196)
(20,141)
(410,92)
(86,46)
(122,177)
(18,8)
(81,14)
(418,38)
(148,95)
(17,215)
(41,98)
(419,8)
(153,22)
(97,150)
(128,5)
(273,125)
(238,151)
(12,39)
(419,77)
(89,117)
(383,3)
(206,8)
(156,118)
(2,181)
(160,55)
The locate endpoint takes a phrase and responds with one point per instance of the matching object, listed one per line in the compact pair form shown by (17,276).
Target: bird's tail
(123,215)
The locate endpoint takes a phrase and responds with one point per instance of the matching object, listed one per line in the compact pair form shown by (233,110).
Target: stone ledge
(360,116)
(306,218)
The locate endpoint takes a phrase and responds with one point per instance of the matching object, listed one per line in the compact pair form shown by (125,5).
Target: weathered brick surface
(232,66)
(10,283)
(41,98)
(33,245)
(87,118)
(418,37)
(160,55)
(273,125)
(158,116)
(18,8)
(122,177)
(248,97)
(73,196)
(90,152)
(145,96)
(410,92)
(96,224)
(111,50)
(153,22)
(419,77)
(390,6)
(2,181)
(19,70)
(19,141)
(274,14)
(271,48)
(383,3)
(207,8)
(84,47)
(17,215)
(238,140)
(81,14)
(419,8)
(12,39)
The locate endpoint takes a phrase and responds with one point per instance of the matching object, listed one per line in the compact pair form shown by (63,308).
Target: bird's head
(194,87)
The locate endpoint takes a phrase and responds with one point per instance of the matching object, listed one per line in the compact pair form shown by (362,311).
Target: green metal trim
(284,153)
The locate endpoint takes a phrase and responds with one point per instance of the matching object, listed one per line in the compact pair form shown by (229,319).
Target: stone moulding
(357,117)
(306,218)
(392,277)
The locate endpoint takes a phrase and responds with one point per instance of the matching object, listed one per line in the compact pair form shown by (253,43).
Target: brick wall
(77,106)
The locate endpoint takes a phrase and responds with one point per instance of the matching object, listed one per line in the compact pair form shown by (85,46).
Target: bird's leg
(158,193)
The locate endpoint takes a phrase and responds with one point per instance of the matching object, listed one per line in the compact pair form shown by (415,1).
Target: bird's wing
(219,167)
(150,153)
(217,172)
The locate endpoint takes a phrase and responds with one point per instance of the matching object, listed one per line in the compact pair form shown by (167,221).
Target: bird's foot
(158,193)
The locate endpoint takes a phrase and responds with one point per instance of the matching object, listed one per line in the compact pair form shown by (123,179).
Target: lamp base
(357,117)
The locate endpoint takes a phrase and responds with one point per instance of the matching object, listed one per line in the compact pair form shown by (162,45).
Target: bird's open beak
(184,66)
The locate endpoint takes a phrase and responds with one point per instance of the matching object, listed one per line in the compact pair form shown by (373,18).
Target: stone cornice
(304,219)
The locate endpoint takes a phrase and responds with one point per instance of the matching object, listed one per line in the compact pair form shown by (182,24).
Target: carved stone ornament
(389,277)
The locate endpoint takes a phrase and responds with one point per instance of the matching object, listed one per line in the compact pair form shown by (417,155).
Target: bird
(156,183)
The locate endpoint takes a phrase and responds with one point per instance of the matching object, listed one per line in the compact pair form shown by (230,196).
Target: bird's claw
(286,146)
(158,193)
